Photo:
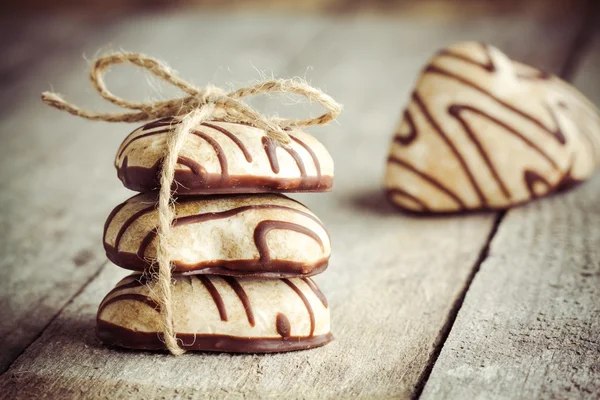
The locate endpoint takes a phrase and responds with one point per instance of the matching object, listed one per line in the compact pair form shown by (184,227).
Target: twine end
(51,97)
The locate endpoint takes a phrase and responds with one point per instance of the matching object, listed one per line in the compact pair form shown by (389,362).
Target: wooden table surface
(485,305)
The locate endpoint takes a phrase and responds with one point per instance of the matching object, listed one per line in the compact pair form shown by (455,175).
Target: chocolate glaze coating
(122,337)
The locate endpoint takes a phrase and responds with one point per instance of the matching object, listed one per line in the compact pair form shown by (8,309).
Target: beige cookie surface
(217,313)
(222,157)
(484,132)
(266,235)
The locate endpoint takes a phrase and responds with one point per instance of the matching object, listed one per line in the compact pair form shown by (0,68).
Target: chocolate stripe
(130,296)
(130,221)
(141,253)
(298,161)
(192,219)
(271,146)
(139,214)
(137,282)
(264,227)
(234,138)
(531,178)
(312,155)
(316,291)
(271,152)
(306,304)
(241,294)
(455,111)
(405,140)
(110,218)
(431,180)
(400,192)
(143,135)
(489,65)
(452,147)
(219,152)
(216,296)
(195,167)
(555,134)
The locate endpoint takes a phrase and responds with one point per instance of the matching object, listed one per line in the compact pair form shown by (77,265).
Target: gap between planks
(580,46)
(60,310)
(439,344)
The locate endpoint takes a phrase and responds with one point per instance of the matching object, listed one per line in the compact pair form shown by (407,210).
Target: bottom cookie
(218,313)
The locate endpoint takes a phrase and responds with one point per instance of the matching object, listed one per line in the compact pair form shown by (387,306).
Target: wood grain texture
(393,279)
(530,324)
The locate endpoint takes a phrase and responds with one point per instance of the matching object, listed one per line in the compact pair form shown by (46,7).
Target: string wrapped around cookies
(247,153)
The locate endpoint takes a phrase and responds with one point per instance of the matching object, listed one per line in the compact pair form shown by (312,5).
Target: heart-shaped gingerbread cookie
(484,132)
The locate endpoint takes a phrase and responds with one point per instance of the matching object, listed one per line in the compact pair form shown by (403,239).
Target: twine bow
(198,106)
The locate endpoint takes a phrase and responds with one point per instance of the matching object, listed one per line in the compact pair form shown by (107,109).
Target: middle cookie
(266,235)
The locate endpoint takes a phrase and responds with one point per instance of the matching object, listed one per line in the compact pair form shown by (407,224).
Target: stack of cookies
(242,253)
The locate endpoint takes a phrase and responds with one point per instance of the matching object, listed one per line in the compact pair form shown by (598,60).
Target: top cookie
(485,132)
(223,157)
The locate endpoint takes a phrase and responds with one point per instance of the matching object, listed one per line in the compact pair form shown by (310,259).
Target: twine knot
(197,106)
(228,106)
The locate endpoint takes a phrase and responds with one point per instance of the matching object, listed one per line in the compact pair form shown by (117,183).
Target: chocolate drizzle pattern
(130,296)
(312,155)
(196,180)
(548,172)
(532,179)
(556,133)
(488,65)
(264,227)
(403,193)
(216,296)
(316,291)
(265,265)
(309,309)
(134,289)
(139,280)
(403,139)
(282,324)
(271,147)
(241,294)
(450,144)
(431,180)
(234,138)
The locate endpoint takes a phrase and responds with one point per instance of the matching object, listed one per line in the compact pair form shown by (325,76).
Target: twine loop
(228,104)
(197,106)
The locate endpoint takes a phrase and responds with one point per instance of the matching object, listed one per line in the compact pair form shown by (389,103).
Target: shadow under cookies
(373,201)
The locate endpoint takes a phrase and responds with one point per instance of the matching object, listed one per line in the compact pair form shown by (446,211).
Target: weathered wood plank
(530,324)
(56,180)
(393,279)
